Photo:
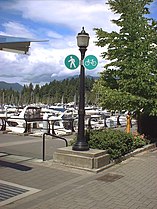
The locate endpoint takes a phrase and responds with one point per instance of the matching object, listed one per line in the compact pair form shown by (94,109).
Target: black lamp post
(81,143)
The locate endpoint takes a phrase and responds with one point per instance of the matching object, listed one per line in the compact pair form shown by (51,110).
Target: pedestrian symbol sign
(90,62)
(71,62)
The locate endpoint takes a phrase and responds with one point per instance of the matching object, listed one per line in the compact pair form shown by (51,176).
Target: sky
(59,22)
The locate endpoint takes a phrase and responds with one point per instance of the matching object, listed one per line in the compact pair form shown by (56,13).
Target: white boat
(57,119)
(25,121)
(90,110)
(95,121)
(113,121)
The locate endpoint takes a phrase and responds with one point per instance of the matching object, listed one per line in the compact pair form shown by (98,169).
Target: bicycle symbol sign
(90,62)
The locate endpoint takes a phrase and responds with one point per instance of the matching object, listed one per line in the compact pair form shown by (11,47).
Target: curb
(127,156)
(135,152)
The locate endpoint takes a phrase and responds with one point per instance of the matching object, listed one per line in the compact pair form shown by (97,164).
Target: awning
(16,44)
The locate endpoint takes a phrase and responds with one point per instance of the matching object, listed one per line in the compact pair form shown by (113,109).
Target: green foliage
(139,141)
(129,80)
(9,96)
(50,93)
(116,142)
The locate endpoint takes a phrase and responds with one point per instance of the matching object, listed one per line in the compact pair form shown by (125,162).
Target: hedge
(116,142)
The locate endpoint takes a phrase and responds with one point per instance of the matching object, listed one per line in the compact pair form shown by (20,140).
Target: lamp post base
(80,146)
(93,160)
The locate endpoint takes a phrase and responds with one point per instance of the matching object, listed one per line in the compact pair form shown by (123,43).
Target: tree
(49,93)
(129,80)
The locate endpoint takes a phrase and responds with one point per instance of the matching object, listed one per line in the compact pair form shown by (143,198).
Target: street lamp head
(83,39)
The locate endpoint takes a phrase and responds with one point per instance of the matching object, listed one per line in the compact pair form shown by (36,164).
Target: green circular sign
(71,62)
(90,62)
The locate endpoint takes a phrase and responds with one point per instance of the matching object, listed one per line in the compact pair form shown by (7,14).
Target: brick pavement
(131,184)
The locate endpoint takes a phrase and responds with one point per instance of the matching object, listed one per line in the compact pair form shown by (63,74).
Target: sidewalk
(131,184)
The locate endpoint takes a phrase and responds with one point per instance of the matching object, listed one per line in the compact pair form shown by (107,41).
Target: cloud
(12,28)
(59,21)
(54,35)
(70,13)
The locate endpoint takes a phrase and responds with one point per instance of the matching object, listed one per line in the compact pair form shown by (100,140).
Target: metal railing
(44,143)
(32,124)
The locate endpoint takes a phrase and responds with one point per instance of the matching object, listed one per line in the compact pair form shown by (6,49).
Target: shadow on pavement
(14,166)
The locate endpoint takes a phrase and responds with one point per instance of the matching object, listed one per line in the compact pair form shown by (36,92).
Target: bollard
(128,124)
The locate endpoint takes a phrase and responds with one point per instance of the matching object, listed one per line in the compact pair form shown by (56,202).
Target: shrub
(139,141)
(116,142)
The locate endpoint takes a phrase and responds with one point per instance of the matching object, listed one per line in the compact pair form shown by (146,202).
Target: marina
(57,119)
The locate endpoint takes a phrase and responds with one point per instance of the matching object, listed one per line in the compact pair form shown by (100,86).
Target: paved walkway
(131,184)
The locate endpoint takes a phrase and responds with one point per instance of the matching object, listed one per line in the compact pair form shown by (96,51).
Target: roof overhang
(16,44)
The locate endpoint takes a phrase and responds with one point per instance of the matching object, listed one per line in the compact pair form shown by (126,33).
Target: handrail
(44,147)
(3,124)
(28,120)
